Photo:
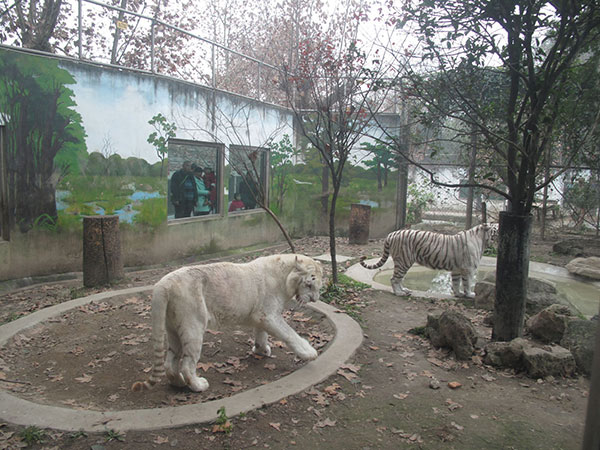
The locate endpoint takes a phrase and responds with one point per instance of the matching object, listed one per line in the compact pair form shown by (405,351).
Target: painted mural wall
(83,139)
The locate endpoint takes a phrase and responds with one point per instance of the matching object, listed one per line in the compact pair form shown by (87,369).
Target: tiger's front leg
(261,343)
(456,277)
(277,327)
(468,280)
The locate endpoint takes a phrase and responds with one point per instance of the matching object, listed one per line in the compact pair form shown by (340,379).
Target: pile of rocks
(561,344)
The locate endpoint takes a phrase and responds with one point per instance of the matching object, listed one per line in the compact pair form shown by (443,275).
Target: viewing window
(195,177)
(248,178)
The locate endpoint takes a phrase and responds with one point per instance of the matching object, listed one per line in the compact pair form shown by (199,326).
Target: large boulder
(540,294)
(452,329)
(578,247)
(585,267)
(579,338)
(549,325)
(506,354)
(553,360)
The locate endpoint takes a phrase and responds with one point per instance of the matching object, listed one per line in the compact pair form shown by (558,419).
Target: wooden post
(102,262)
(360,218)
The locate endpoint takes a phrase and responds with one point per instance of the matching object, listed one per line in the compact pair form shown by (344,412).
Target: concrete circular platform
(347,339)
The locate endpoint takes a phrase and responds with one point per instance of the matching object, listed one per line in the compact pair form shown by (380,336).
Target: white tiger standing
(187,301)
(459,253)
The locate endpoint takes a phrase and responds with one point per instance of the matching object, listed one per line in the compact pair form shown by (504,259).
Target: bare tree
(524,53)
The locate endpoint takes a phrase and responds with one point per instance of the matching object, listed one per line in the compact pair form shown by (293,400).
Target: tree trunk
(281,227)
(332,250)
(102,262)
(401,194)
(512,271)
(471,190)
(591,434)
(379,185)
(324,194)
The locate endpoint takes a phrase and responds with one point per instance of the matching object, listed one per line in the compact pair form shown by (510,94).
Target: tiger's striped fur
(459,253)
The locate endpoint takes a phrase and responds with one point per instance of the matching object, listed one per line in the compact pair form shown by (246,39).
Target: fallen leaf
(332,390)
(276,425)
(113,397)
(270,366)
(452,405)
(84,378)
(457,426)
(400,396)
(373,347)
(351,367)
(454,384)
(347,375)
(325,423)
(205,366)
(487,377)
(161,440)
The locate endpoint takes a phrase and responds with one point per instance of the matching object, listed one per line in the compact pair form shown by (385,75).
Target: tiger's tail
(381,262)
(160,299)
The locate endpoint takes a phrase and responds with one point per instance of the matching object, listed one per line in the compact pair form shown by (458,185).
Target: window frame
(220,168)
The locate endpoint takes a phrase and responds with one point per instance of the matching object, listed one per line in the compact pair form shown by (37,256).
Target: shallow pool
(583,296)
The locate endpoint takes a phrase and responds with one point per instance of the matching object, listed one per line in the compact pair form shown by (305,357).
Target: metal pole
(79,20)
(152,46)
(258,89)
(213,67)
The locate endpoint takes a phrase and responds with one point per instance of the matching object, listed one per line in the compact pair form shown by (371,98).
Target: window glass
(194,177)
(247,179)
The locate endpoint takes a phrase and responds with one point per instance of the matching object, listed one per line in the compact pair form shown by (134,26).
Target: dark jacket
(177,186)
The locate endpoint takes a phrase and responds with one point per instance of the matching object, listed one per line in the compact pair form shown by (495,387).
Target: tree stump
(102,262)
(360,219)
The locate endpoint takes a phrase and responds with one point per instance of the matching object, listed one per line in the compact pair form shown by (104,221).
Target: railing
(261,72)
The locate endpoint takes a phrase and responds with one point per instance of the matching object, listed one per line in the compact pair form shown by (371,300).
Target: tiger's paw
(470,295)
(266,351)
(198,384)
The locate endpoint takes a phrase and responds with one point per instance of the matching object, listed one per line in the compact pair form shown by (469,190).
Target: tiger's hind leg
(261,343)
(400,270)
(173,360)
(456,277)
(192,335)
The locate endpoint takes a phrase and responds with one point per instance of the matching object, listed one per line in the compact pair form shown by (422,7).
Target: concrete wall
(113,106)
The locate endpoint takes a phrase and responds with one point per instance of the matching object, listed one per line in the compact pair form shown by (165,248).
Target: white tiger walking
(459,253)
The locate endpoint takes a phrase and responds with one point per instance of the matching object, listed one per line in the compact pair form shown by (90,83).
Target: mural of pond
(126,213)
(585,297)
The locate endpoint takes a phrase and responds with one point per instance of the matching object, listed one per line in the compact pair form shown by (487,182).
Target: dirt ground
(384,397)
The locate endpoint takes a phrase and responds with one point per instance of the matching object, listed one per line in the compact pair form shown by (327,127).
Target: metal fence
(251,74)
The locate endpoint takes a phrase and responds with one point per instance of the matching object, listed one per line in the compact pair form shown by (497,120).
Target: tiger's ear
(298,265)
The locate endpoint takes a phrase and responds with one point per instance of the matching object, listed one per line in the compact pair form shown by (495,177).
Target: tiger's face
(310,283)
(491,233)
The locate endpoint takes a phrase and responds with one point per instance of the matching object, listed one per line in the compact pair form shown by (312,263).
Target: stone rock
(585,267)
(506,354)
(452,329)
(579,338)
(485,295)
(540,294)
(550,324)
(578,247)
(540,363)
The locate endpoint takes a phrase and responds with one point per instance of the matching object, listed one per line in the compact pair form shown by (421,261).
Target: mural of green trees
(44,134)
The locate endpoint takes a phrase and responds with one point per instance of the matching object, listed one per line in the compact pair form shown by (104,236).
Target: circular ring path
(347,339)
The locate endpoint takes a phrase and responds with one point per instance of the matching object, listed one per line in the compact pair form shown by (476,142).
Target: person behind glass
(183,191)
(210,182)
(237,203)
(202,207)
(248,191)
